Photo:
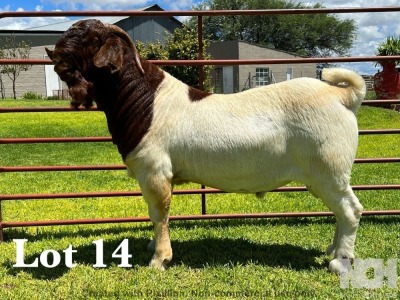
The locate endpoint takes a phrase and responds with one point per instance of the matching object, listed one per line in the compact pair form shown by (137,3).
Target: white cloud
(119,4)
(5,8)
(70,5)
(373,28)
(97,4)
(370,33)
(181,4)
(23,23)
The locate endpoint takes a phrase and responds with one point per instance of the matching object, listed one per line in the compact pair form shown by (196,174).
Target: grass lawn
(221,259)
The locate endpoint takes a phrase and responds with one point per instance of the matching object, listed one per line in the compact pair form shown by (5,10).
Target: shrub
(389,47)
(32,96)
(53,98)
(370,95)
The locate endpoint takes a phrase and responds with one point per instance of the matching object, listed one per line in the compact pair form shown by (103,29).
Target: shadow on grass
(84,231)
(101,229)
(223,252)
(194,253)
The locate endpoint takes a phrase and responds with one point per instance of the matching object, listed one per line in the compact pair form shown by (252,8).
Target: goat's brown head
(89,48)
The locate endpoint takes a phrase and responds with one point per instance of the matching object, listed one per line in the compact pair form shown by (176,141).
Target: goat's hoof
(152,246)
(340,266)
(159,264)
(260,195)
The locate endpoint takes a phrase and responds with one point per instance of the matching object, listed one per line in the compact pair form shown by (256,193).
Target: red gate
(200,62)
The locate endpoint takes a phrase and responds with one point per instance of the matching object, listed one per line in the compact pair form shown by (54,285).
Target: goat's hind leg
(332,247)
(157,193)
(347,209)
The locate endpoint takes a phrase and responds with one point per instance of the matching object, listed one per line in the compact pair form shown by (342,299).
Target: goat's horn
(122,34)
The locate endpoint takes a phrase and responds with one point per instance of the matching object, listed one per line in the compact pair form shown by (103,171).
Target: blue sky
(63,5)
(29,5)
(372,28)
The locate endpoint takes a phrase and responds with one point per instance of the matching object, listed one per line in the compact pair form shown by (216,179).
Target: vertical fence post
(1,224)
(200,54)
(201,86)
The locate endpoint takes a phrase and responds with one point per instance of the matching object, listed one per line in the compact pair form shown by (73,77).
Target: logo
(368,273)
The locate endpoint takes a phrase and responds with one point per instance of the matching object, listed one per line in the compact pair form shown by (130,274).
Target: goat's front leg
(157,192)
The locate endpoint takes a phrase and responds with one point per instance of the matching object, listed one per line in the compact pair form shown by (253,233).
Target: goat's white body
(251,142)
(301,130)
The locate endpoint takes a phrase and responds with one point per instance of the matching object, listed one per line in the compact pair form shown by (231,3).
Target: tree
(310,35)
(182,44)
(2,91)
(13,49)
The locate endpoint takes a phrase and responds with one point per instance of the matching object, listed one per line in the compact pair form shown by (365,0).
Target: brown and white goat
(251,142)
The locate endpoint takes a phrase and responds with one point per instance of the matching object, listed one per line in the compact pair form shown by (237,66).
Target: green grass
(33,103)
(231,259)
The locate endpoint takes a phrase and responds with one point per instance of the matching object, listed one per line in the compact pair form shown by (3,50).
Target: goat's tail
(347,79)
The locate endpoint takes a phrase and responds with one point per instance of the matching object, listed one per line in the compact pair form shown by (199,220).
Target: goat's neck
(129,110)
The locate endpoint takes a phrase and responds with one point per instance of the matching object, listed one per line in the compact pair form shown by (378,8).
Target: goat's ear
(49,52)
(137,59)
(109,56)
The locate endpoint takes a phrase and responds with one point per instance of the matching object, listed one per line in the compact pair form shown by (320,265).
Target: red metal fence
(200,62)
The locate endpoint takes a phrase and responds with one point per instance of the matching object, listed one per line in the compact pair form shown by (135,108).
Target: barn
(42,80)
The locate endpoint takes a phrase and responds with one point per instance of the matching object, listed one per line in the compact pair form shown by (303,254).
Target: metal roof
(63,26)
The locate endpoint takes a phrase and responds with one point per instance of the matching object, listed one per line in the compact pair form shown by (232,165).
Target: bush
(389,47)
(181,45)
(32,96)
(53,98)
(370,95)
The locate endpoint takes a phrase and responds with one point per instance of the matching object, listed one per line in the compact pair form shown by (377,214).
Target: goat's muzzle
(81,92)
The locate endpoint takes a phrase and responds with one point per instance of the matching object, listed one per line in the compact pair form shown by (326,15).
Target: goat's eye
(94,42)
(65,70)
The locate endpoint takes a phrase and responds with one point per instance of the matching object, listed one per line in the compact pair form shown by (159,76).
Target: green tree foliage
(311,35)
(181,45)
(389,47)
(11,48)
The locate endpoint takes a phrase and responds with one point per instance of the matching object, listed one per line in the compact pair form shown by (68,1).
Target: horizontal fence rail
(199,62)
(55,140)
(69,109)
(193,218)
(175,192)
(216,62)
(109,139)
(200,13)
(382,160)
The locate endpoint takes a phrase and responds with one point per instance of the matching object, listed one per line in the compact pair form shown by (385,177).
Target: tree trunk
(13,85)
(3,95)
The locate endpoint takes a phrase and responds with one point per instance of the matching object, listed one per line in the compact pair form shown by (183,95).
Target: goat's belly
(236,184)
(235,173)
(242,186)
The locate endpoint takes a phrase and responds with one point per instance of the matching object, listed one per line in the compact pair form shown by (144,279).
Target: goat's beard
(81,93)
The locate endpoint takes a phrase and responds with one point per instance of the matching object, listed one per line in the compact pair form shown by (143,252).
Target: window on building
(217,80)
(289,73)
(262,76)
